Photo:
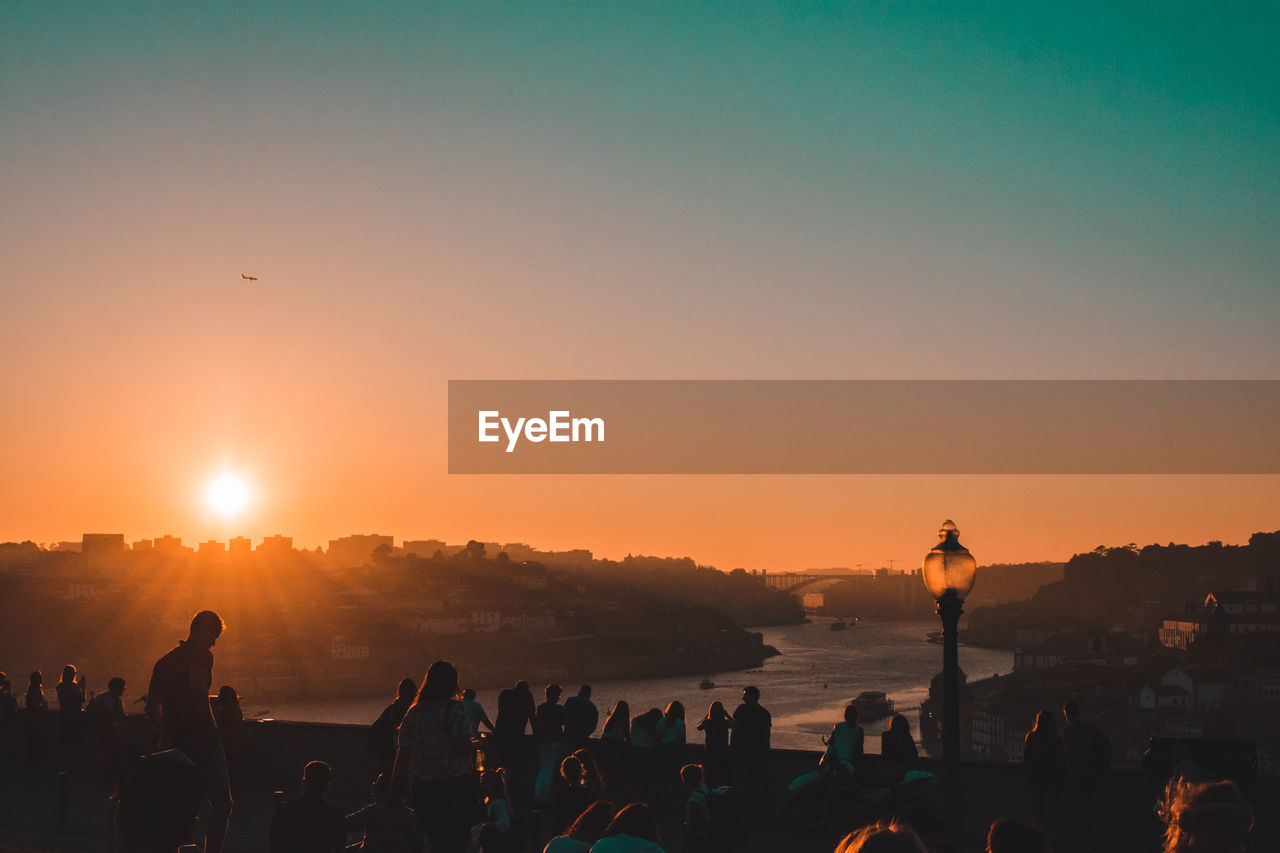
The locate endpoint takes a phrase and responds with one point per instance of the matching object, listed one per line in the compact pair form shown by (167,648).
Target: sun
(228,495)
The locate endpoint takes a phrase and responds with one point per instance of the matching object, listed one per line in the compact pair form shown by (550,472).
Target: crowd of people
(448,778)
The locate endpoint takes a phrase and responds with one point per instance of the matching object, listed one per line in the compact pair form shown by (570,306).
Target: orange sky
(457,195)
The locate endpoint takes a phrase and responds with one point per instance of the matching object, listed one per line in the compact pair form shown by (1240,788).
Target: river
(805,687)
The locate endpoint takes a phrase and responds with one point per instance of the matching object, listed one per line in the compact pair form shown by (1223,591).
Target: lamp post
(949,571)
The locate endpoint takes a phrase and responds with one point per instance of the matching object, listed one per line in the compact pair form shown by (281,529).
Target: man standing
(749,746)
(580,719)
(1088,758)
(548,730)
(178,705)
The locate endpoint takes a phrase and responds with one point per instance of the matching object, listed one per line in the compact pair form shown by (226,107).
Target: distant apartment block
(170,546)
(275,546)
(239,546)
(351,552)
(424,548)
(102,544)
(211,548)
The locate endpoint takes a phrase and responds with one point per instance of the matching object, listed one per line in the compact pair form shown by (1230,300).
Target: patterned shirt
(436,741)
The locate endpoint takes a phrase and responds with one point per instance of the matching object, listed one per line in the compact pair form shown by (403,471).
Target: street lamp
(949,571)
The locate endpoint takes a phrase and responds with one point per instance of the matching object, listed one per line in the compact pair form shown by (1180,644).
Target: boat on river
(872,705)
(706,683)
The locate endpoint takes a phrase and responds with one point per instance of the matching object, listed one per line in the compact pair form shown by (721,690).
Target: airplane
(248,277)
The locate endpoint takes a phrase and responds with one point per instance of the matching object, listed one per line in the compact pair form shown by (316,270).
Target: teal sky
(433,191)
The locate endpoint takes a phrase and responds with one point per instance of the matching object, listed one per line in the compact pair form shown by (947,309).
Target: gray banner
(864,427)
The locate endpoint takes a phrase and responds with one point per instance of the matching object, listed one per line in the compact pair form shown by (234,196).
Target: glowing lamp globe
(949,567)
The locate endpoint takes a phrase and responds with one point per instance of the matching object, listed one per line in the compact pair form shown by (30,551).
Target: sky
(440,191)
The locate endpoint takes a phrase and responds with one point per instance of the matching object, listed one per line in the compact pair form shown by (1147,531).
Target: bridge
(800,582)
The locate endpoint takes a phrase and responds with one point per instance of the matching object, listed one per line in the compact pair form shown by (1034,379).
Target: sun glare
(228,495)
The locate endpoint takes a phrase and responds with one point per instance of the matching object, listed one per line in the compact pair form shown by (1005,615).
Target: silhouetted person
(435,761)
(381,741)
(715,727)
(516,710)
(8,717)
(585,831)
(882,837)
(1010,835)
(548,731)
(752,727)
(37,710)
(71,694)
(475,712)
(389,825)
(499,832)
(897,743)
(644,754)
(615,751)
(632,830)
(847,741)
(572,795)
(310,824)
(1088,757)
(157,803)
(1206,817)
(580,718)
(697,810)
(106,713)
(178,705)
(1043,756)
(229,717)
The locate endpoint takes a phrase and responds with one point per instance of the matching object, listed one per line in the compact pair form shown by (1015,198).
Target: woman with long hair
(632,830)
(615,750)
(896,742)
(586,830)
(1044,757)
(1205,817)
(715,728)
(435,761)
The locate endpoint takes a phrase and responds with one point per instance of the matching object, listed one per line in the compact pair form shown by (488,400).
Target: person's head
(1071,711)
(37,679)
(591,824)
(621,710)
(68,674)
(571,771)
(692,777)
(5,686)
(315,778)
(675,711)
(1045,721)
(882,837)
(647,720)
(716,711)
(588,763)
(227,695)
(585,691)
(469,694)
(493,784)
(851,714)
(552,692)
(158,802)
(206,628)
(899,726)
(441,682)
(523,687)
(1010,835)
(751,694)
(116,686)
(407,690)
(635,820)
(1205,817)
